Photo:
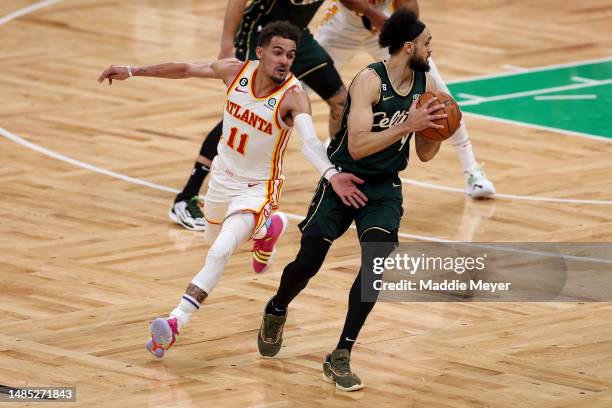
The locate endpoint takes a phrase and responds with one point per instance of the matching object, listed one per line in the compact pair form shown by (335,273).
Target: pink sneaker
(163,335)
(264,249)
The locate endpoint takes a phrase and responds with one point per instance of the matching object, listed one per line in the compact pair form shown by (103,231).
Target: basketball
(451,123)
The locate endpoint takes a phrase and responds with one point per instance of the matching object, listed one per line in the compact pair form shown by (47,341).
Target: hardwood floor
(88,258)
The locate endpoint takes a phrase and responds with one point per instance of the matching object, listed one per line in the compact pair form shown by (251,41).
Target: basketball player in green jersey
(312,65)
(378,122)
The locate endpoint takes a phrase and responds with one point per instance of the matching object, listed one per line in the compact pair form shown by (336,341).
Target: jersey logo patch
(384,87)
(387,98)
(243,81)
(415,96)
(271,102)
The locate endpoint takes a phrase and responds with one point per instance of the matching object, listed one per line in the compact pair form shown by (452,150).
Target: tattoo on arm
(196,293)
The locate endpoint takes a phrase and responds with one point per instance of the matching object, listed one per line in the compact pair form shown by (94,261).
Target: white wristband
(329,173)
(129,71)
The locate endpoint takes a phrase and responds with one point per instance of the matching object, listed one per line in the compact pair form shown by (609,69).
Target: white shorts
(342,40)
(230,194)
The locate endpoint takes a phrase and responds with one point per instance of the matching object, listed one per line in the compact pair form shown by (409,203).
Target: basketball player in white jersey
(351,25)
(264,102)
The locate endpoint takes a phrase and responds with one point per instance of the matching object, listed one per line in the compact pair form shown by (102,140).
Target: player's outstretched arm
(233,15)
(296,105)
(364,8)
(411,5)
(362,142)
(220,69)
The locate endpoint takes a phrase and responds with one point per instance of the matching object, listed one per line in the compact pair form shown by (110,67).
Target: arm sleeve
(311,147)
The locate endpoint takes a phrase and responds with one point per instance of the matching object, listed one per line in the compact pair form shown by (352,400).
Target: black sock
(355,317)
(194,183)
(275,311)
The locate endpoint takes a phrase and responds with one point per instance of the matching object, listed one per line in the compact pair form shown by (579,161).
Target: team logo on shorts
(243,81)
(271,102)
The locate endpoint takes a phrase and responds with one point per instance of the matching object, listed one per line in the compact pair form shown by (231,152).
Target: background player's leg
(477,184)
(183,210)
(326,82)
(316,69)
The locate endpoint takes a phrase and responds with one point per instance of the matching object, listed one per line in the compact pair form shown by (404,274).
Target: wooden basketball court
(88,255)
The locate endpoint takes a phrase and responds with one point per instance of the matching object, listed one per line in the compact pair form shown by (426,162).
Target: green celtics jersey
(390,109)
(297,12)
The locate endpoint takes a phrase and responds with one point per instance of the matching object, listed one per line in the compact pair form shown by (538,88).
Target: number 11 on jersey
(241,144)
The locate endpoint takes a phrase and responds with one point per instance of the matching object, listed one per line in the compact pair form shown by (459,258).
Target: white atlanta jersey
(254,136)
(346,16)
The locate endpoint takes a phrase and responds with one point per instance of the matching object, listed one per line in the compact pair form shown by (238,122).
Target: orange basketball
(451,123)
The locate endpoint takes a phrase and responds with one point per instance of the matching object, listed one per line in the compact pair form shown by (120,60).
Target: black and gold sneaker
(337,369)
(270,337)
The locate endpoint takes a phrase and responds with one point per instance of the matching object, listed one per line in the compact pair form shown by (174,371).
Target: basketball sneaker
(270,337)
(476,183)
(163,335)
(188,214)
(337,369)
(264,248)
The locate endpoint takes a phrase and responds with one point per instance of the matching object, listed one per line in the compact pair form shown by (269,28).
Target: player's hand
(345,185)
(118,72)
(422,118)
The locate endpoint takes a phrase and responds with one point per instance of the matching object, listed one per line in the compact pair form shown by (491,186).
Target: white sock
(461,139)
(184,310)
(463,147)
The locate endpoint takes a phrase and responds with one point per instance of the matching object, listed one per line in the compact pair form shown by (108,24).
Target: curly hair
(400,27)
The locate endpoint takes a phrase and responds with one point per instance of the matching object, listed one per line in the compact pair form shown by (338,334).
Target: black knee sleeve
(209,145)
(313,249)
(325,81)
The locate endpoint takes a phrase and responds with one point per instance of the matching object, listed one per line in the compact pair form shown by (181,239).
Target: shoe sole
(355,387)
(160,333)
(483,193)
(178,221)
(285,221)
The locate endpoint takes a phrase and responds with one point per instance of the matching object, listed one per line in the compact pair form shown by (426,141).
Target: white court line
(470,96)
(47,152)
(96,169)
(516,95)
(584,80)
(563,97)
(530,70)
(508,196)
(514,68)
(26,10)
(601,138)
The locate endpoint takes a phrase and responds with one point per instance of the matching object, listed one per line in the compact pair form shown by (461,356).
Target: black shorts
(383,210)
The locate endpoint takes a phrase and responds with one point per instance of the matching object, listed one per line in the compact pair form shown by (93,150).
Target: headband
(417,28)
